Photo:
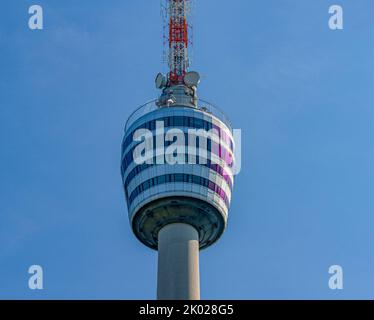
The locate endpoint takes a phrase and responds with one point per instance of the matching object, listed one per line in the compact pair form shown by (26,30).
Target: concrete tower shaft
(178,263)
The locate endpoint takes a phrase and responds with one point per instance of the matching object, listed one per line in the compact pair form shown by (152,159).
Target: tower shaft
(178,263)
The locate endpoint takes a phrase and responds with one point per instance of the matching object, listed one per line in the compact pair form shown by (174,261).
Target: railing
(203,105)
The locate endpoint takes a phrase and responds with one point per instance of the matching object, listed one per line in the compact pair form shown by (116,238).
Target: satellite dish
(160,81)
(192,79)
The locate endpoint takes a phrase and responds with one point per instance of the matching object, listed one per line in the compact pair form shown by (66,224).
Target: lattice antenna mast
(179,86)
(177,13)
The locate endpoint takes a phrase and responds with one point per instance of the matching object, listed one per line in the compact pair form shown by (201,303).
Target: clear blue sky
(302,94)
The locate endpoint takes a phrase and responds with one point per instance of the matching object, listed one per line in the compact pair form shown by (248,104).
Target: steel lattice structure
(176,14)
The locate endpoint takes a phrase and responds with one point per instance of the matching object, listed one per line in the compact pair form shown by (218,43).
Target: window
(178,122)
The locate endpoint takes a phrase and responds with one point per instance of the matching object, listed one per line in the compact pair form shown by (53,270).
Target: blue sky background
(302,94)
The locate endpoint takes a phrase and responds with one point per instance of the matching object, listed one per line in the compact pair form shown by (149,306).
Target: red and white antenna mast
(179,86)
(176,14)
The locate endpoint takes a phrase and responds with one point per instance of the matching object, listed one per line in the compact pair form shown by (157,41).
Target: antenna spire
(176,17)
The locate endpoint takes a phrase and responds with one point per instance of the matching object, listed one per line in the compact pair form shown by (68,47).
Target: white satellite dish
(160,81)
(192,79)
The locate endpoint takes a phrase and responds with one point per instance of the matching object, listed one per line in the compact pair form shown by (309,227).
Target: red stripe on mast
(178,11)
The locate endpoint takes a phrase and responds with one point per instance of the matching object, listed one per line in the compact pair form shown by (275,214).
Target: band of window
(222,152)
(139,168)
(178,177)
(180,121)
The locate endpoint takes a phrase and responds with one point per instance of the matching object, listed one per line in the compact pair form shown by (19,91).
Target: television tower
(181,206)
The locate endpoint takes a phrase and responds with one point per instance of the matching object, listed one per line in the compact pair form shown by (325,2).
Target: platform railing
(203,105)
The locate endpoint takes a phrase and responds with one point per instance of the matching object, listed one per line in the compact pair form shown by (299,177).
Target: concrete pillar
(178,263)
